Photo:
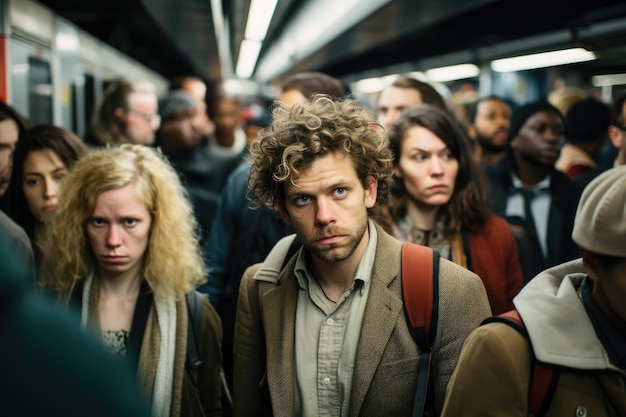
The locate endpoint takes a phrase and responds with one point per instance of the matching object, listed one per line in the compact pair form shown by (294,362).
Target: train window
(39,91)
(90,98)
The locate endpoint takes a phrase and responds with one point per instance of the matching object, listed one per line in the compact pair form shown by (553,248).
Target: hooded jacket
(493,373)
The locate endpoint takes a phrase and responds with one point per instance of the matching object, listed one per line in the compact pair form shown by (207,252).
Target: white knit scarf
(164,379)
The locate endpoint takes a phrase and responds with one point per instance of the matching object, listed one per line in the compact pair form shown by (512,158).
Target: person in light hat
(575,316)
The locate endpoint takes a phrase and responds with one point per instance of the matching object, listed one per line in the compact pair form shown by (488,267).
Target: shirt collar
(543,185)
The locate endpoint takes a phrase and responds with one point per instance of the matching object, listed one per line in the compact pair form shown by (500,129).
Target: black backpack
(194,301)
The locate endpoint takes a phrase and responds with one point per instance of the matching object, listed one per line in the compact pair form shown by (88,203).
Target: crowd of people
(202,259)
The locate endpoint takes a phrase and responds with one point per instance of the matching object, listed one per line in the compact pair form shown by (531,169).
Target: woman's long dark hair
(467,208)
(65,144)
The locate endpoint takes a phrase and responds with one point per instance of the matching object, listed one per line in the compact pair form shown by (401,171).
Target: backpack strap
(195,302)
(194,312)
(544,377)
(420,292)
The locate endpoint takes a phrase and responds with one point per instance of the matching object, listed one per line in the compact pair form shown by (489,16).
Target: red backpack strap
(420,292)
(544,378)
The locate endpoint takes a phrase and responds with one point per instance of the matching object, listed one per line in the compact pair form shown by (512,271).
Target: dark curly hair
(306,131)
(468,206)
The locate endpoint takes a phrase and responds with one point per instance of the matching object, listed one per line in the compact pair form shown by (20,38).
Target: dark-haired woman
(43,157)
(439,201)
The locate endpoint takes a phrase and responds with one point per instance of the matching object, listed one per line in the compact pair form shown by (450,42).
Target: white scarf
(164,379)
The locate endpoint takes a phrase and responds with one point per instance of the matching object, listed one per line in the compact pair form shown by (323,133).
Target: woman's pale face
(43,177)
(119,232)
(427,167)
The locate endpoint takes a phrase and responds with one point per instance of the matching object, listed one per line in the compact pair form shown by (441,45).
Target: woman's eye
(419,157)
(448,156)
(31,182)
(97,222)
(59,177)
(130,222)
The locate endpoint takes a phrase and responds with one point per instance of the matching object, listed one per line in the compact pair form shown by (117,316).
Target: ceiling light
(451,73)
(316,24)
(368,85)
(607,80)
(542,60)
(259,18)
(248,54)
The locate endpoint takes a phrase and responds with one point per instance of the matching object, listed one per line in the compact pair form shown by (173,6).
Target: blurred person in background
(128,113)
(255,118)
(123,251)
(180,138)
(197,89)
(12,124)
(489,120)
(611,153)
(438,200)
(43,158)
(403,93)
(564,98)
(588,122)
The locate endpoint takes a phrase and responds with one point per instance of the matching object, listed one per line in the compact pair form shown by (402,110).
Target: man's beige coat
(385,371)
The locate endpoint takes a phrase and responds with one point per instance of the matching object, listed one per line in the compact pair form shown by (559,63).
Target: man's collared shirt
(326,338)
(540,207)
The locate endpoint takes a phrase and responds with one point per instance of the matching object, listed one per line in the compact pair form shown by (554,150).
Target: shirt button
(326,381)
(330,322)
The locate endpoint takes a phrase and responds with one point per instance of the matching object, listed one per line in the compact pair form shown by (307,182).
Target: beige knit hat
(600,224)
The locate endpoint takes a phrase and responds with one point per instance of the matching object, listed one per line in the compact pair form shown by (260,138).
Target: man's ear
(371,191)
(590,264)
(119,113)
(282,211)
(616,136)
(471,131)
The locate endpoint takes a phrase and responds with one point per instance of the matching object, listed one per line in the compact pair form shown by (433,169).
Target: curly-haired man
(331,337)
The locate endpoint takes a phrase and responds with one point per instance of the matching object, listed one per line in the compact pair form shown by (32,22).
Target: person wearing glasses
(128,113)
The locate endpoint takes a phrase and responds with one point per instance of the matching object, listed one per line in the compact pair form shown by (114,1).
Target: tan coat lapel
(381,313)
(279,315)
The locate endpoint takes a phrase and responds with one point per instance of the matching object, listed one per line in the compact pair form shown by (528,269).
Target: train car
(54,72)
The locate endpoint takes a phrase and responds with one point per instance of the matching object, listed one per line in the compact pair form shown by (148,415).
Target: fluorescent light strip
(609,79)
(259,18)
(248,55)
(542,60)
(451,73)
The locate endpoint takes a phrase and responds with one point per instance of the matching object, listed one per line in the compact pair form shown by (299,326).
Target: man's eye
(341,191)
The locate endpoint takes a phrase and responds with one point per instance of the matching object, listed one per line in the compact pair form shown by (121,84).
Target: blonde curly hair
(306,131)
(172,263)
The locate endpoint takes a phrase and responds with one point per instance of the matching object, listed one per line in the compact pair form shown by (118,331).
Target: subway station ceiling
(178,36)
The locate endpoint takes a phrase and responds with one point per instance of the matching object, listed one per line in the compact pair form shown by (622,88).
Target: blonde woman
(124,250)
